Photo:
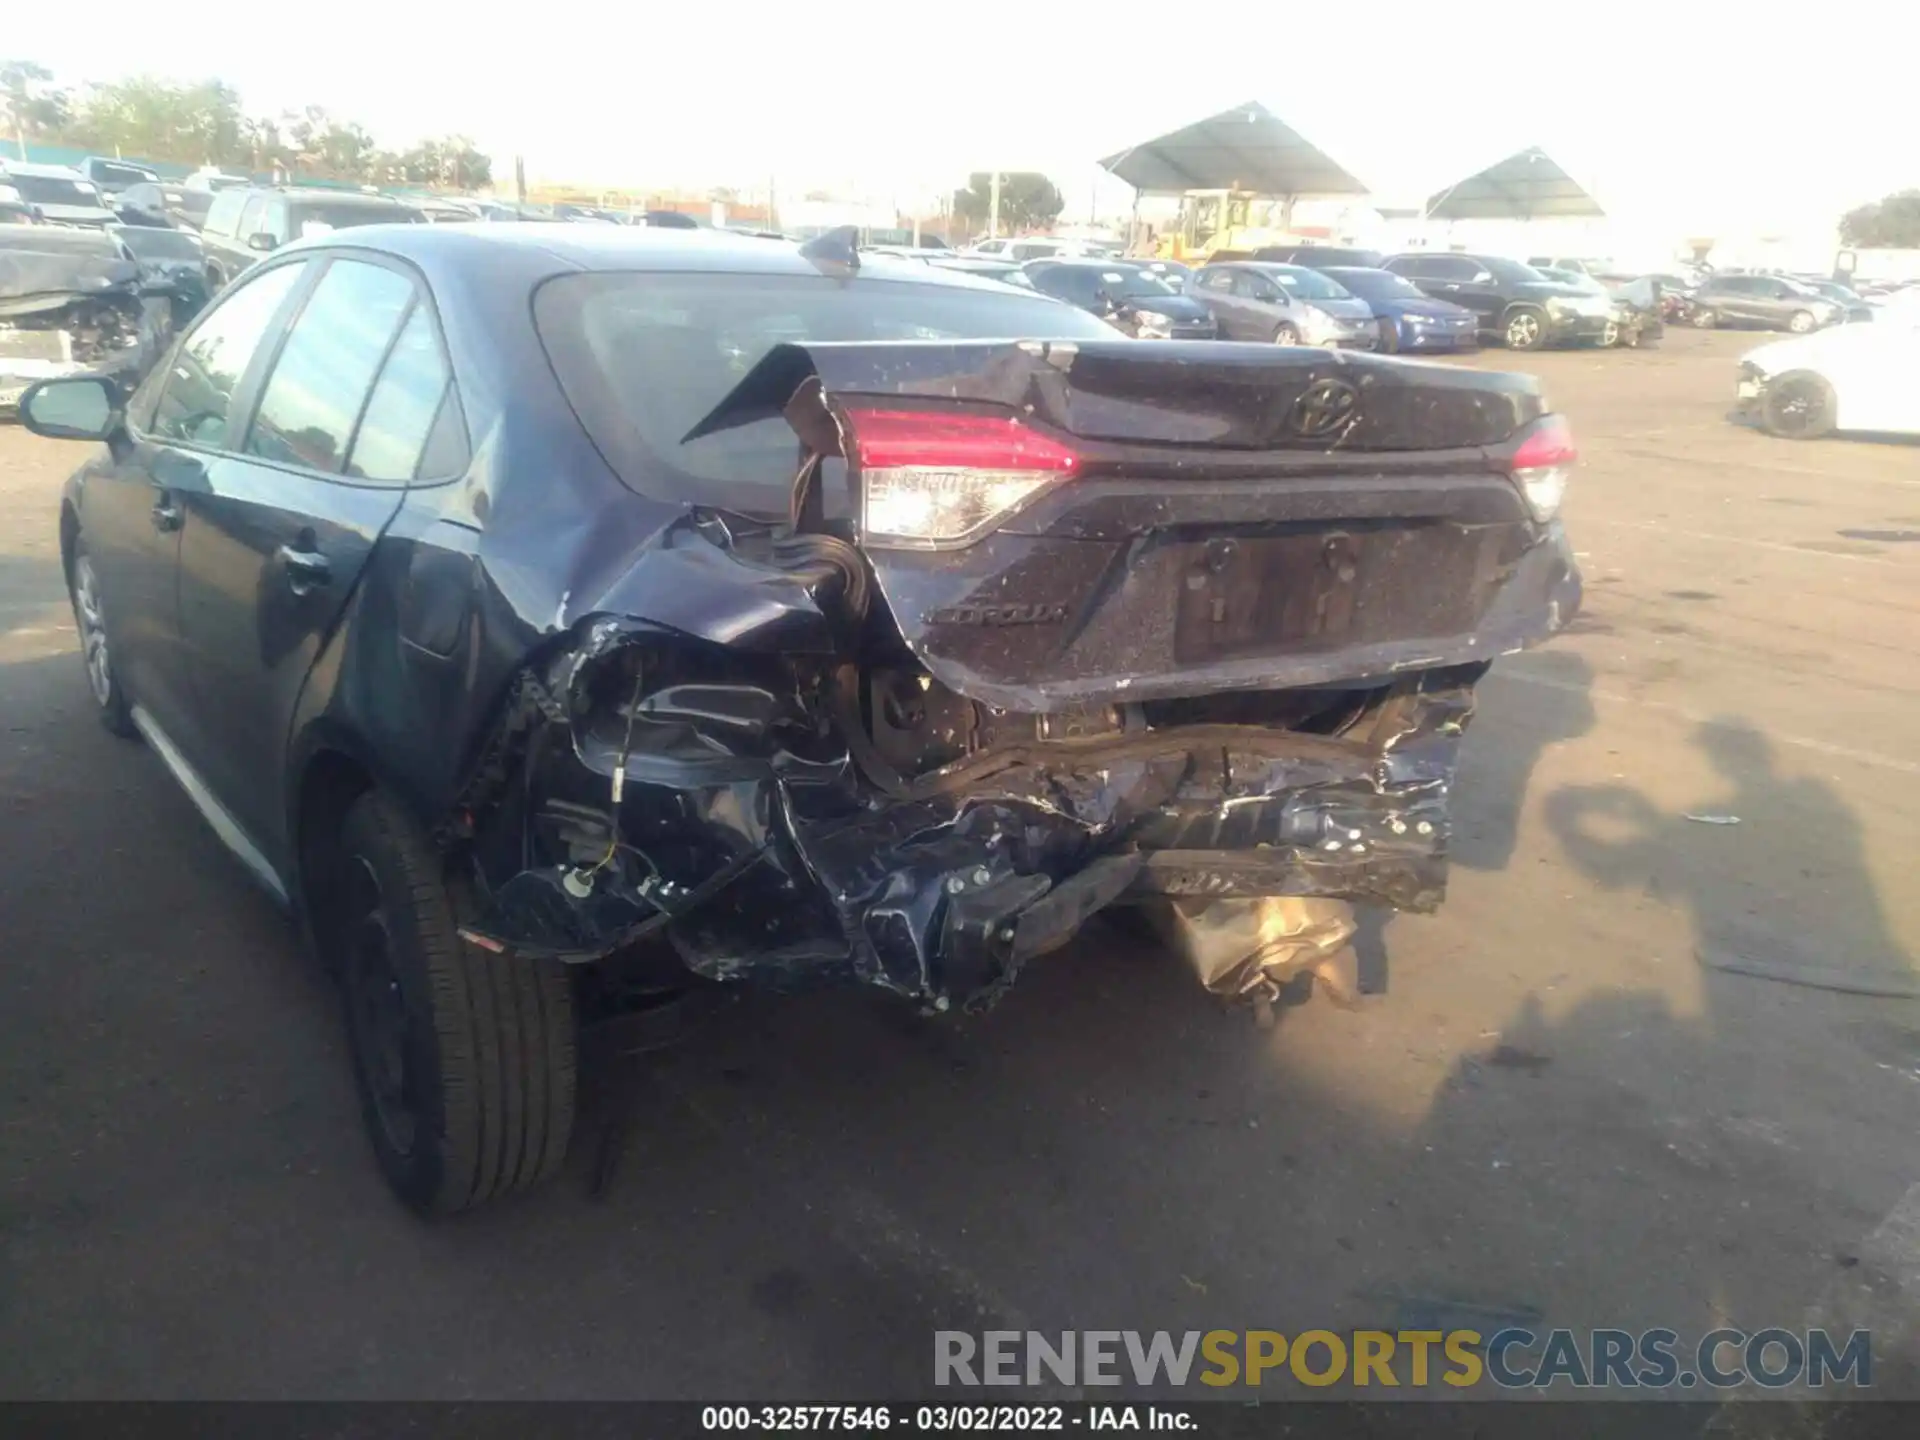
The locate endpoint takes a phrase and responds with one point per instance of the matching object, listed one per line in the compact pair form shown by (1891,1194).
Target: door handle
(307,570)
(167,514)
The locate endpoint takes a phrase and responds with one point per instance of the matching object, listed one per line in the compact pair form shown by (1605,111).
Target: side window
(206,370)
(325,369)
(1216,279)
(253,218)
(1453,267)
(408,398)
(224,214)
(1410,265)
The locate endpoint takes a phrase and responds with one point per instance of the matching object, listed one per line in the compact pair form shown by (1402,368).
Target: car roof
(331,197)
(568,247)
(30,167)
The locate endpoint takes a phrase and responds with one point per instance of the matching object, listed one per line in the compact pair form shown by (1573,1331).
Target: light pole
(993,207)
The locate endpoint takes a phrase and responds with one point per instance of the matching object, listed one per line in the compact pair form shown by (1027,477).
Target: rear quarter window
(643,357)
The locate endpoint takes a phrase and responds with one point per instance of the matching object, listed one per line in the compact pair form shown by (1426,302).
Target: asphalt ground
(1562,1110)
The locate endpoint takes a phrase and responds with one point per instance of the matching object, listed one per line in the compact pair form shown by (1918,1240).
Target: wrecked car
(73,301)
(556,619)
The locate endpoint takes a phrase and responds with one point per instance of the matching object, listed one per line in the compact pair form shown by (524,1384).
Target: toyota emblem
(1326,407)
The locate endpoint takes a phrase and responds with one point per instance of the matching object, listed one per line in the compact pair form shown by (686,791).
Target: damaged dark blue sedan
(555,617)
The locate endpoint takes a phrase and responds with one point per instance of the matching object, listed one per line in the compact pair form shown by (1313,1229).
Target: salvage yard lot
(1556,1115)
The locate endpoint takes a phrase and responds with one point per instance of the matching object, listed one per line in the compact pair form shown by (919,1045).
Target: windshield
(150,243)
(54,190)
(312,219)
(108,173)
(643,358)
(1307,284)
(1513,272)
(1135,283)
(1378,284)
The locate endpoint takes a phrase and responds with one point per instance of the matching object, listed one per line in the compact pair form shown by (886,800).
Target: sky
(1703,117)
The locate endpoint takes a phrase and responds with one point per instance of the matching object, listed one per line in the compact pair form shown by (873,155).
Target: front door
(281,531)
(134,510)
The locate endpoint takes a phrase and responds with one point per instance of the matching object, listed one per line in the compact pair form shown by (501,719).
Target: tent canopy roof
(1526,186)
(1245,148)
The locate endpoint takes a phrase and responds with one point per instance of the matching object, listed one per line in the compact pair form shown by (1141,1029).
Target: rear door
(1213,287)
(279,535)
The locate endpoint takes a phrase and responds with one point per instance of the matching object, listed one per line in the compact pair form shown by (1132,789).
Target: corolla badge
(1324,408)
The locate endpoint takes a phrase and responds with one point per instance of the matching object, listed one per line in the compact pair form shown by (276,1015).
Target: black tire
(465,1059)
(1799,406)
(1802,322)
(1703,318)
(1285,334)
(110,698)
(1524,328)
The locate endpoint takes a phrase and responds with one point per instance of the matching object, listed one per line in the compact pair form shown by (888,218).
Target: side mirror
(261,241)
(73,407)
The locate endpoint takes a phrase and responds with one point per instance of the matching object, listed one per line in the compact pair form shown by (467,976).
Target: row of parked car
(1350,299)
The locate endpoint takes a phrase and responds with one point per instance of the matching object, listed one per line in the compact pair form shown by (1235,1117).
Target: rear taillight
(1543,465)
(930,480)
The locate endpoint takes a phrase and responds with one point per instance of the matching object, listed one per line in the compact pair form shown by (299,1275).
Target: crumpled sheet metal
(1247,949)
(830,880)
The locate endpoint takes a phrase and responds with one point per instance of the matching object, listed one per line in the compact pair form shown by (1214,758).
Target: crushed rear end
(1050,627)
(68,312)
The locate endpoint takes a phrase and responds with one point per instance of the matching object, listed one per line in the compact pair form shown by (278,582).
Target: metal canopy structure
(1247,148)
(1526,186)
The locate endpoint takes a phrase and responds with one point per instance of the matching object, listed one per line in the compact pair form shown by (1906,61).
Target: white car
(1849,378)
(1022,248)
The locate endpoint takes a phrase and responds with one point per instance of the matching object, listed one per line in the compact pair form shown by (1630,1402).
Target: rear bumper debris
(746,834)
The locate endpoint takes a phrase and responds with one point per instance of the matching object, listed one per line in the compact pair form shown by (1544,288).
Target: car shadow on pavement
(1491,787)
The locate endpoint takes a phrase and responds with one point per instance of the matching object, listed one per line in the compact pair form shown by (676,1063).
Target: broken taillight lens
(930,480)
(1543,465)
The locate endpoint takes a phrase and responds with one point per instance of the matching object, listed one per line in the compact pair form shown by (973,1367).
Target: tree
(159,120)
(35,108)
(1891,224)
(322,145)
(1028,200)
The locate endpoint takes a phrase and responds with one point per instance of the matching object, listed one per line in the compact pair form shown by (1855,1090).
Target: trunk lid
(1056,524)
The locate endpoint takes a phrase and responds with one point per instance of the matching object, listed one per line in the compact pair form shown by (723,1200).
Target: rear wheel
(465,1059)
(1285,334)
(96,649)
(1704,319)
(1799,406)
(1610,336)
(1800,322)
(1526,329)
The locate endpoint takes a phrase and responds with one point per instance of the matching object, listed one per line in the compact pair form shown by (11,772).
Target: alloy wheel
(1799,407)
(1523,331)
(93,631)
